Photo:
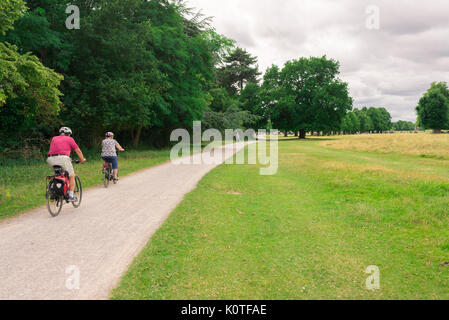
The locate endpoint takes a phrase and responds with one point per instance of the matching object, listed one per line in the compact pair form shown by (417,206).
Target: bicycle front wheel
(78,192)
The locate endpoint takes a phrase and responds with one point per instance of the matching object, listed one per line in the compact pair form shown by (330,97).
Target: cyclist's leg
(72,182)
(50,162)
(114,161)
(67,165)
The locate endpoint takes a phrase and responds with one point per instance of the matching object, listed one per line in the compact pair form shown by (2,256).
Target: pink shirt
(62,145)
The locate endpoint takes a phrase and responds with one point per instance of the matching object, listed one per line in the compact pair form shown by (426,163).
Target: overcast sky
(390,67)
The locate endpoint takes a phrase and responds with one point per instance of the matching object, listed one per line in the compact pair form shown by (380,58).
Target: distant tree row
(404,126)
(367,120)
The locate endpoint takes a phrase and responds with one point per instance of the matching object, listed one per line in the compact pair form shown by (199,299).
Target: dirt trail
(40,256)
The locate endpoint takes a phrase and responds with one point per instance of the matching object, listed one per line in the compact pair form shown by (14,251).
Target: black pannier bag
(58,187)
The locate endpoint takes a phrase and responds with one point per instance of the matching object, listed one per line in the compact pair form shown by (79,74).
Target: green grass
(308,232)
(22,184)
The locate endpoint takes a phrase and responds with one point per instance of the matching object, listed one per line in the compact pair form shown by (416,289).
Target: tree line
(138,68)
(367,120)
(144,68)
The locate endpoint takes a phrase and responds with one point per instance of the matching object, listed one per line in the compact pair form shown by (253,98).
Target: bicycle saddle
(58,169)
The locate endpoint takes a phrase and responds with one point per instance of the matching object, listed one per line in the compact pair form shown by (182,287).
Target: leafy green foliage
(235,101)
(42,31)
(10,11)
(29,95)
(138,68)
(404,126)
(381,119)
(226,112)
(350,123)
(309,96)
(433,107)
(366,123)
(240,67)
(367,120)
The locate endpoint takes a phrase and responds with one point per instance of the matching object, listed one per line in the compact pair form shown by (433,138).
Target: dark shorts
(113,160)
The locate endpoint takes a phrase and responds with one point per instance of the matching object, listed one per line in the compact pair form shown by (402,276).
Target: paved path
(40,256)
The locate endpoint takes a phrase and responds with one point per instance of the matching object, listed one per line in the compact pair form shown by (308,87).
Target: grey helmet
(65,130)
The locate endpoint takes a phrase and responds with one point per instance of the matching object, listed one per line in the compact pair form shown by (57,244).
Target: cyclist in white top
(109,152)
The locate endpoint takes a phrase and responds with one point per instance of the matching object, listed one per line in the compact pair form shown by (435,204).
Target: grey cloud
(241,35)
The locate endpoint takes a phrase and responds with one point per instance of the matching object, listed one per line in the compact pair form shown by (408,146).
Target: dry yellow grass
(425,145)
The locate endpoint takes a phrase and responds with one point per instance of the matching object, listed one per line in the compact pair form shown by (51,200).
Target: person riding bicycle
(109,152)
(59,155)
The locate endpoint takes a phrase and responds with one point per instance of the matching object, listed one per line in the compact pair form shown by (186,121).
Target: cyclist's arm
(80,155)
(119,147)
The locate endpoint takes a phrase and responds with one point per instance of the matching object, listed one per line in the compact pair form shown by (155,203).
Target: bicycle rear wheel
(54,203)
(107,176)
(78,192)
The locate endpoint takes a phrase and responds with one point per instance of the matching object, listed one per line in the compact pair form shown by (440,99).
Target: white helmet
(65,130)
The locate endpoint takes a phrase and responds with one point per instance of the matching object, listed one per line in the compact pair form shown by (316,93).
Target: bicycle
(108,173)
(57,189)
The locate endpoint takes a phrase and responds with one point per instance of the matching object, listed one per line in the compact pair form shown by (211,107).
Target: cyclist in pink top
(59,155)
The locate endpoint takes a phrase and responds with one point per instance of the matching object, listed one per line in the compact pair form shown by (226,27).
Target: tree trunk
(302,134)
(296,134)
(136,137)
(286,134)
(436,131)
(95,141)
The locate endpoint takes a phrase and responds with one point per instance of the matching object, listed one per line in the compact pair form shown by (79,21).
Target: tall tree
(240,67)
(366,124)
(139,68)
(433,108)
(311,96)
(269,93)
(381,119)
(29,94)
(350,123)
(42,31)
